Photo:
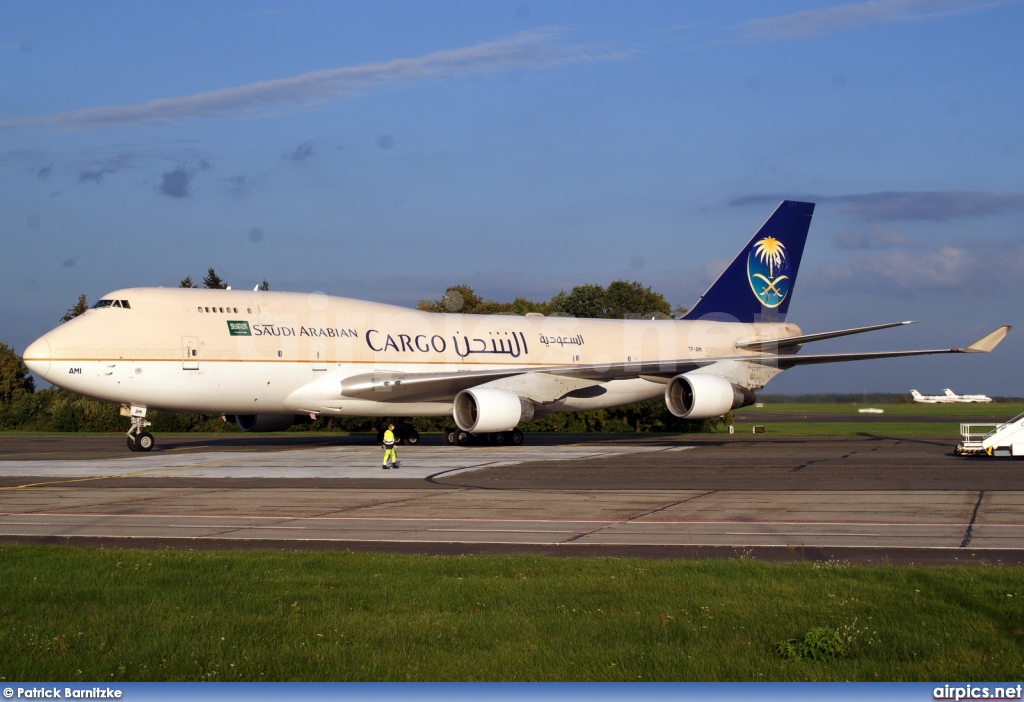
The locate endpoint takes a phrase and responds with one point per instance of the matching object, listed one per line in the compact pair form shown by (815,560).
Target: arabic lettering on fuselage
(562,340)
(500,343)
(329,333)
(496,343)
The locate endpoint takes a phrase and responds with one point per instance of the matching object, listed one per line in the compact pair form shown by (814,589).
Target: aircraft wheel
(412,438)
(448,437)
(145,442)
(516,437)
(131,444)
(463,438)
(496,439)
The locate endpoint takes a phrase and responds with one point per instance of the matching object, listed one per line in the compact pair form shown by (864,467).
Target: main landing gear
(138,440)
(457,437)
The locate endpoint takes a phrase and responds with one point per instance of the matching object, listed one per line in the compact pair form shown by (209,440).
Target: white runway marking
(748,530)
(334,462)
(68,499)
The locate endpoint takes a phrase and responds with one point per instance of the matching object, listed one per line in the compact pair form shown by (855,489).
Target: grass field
(994,411)
(903,419)
(96,615)
(949,430)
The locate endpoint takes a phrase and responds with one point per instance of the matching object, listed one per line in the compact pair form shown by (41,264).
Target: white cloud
(855,15)
(982,268)
(931,205)
(533,49)
(874,237)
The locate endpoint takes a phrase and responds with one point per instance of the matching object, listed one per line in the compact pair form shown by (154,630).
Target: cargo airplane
(948,396)
(929,399)
(953,397)
(268,357)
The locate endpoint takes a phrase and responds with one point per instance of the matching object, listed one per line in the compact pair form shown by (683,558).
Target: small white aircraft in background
(265,357)
(948,396)
(953,397)
(928,399)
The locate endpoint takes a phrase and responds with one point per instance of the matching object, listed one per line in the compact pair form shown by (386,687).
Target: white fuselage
(238,352)
(953,397)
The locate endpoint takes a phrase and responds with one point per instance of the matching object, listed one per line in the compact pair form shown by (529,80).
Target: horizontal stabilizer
(989,341)
(984,344)
(788,341)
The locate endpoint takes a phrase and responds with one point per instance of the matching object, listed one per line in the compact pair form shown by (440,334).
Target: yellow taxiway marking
(113,475)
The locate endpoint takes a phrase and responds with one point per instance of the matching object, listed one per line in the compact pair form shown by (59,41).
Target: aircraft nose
(37,357)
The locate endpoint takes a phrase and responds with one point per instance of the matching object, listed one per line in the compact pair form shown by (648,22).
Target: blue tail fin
(758,285)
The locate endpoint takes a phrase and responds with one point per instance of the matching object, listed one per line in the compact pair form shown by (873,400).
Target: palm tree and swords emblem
(768,271)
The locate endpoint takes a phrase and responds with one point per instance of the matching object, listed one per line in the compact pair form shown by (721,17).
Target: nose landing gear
(138,440)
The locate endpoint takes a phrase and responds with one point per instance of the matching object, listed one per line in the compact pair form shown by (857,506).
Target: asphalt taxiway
(860,499)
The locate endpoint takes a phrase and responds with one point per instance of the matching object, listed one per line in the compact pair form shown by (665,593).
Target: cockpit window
(112,303)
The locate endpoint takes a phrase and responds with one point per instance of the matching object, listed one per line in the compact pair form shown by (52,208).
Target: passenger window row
(222,310)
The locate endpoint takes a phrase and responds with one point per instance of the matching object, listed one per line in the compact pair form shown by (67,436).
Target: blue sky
(387,150)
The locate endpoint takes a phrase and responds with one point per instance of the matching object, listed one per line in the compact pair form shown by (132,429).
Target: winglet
(989,341)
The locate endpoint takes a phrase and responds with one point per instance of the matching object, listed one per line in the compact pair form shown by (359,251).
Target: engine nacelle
(264,422)
(701,396)
(482,410)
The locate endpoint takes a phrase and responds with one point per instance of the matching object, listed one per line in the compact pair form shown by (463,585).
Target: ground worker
(390,458)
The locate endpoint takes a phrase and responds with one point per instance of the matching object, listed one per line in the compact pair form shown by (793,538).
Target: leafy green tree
(582,301)
(457,298)
(462,298)
(80,308)
(622,299)
(213,281)
(631,300)
(186,282)
(15,380)
(523,306)
(264,286)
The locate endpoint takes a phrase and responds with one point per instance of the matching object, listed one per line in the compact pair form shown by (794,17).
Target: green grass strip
(981,412)
(71,614)
(881,429)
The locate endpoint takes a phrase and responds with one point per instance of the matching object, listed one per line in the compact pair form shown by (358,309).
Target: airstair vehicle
(1006,439)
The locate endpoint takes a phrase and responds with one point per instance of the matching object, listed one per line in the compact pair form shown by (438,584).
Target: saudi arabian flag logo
(768,271)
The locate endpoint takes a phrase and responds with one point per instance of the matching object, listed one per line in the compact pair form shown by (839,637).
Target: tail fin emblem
(768,271)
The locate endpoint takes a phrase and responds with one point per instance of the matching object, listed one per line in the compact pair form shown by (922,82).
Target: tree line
(56,409)
(622,299)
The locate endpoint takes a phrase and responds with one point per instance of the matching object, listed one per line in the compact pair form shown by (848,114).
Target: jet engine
(482,410)
(700,396)
(264,422)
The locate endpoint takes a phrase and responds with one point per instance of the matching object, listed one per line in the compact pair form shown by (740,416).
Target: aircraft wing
(397,386)
(982,345)
(794,341)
